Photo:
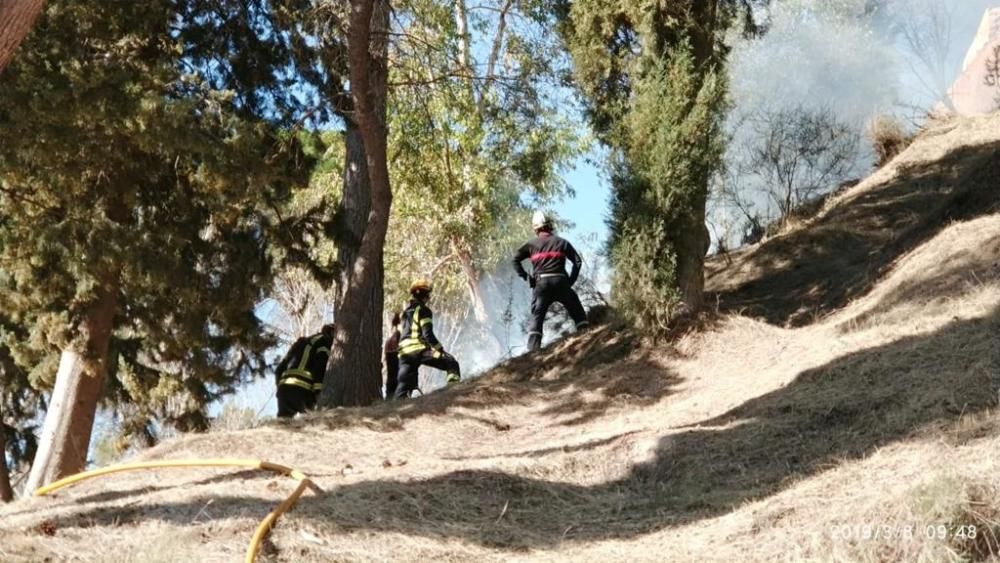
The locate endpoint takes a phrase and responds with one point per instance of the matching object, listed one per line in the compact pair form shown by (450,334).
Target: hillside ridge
(852,382)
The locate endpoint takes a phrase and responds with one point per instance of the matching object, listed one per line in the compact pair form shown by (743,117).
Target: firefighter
(548,279)
(300,373)
(419,346)
(391,351)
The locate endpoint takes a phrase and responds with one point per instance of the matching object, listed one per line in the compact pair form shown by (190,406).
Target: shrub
(888,138)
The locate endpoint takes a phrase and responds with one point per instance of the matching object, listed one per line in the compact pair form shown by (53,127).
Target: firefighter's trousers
(549,290)
(410,363)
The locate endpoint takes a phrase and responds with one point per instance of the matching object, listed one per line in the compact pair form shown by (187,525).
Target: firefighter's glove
(437,353)
(454,378)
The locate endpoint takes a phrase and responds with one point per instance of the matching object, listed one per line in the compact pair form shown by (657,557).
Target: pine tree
(353,375)
(146,146)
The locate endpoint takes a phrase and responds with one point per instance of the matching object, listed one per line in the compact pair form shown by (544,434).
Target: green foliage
(671,144)
(650,72)
(19,405)
(672,135)
(468,141)
(147,146)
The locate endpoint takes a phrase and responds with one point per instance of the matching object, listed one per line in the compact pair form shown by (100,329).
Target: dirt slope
(950,174)
(864,395)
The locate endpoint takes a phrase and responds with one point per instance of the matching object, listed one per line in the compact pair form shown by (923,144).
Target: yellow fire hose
(265,525)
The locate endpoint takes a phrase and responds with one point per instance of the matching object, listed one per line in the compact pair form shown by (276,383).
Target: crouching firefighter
(548,280)
(418,346)
(300,373)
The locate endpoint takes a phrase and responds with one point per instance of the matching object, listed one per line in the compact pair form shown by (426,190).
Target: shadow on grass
(838,412)
(952,276)
(802,275)
(580,377)
(189,511)
(541,452)
(843,410)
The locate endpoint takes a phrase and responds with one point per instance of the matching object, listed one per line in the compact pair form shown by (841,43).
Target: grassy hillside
(849,379)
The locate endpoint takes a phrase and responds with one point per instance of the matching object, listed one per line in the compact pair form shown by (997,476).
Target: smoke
(848,59)
(479,348)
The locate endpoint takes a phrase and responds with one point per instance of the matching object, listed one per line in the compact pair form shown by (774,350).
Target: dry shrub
(888,138)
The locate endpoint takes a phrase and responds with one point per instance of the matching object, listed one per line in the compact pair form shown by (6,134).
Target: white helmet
(540,220)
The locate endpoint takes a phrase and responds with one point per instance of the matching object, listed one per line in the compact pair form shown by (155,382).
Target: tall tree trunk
(16,19)
(689,232)
(359,374)
(464,40)
(691,242)
(355,206)
(6,492)
(353,373)
(460,246)
(472,280)
(69,420)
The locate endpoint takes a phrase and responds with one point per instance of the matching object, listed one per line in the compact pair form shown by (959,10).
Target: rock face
(977,89)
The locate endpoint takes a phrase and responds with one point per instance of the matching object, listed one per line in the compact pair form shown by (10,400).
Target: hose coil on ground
(262,529)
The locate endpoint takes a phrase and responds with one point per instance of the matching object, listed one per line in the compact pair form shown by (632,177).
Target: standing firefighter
(300,373)
(548,279)
(419,346)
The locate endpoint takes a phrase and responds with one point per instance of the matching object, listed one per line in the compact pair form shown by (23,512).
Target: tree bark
(355,207)
(6,492)
(689,232)
(472,281)
(353,375)
(464,40)
(16,19)
(69,420)
(691,242)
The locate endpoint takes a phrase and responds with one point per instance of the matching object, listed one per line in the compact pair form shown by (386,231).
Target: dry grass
(946,175)
(740,441)
(888,138)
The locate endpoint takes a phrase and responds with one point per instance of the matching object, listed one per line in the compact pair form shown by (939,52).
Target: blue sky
(587,209)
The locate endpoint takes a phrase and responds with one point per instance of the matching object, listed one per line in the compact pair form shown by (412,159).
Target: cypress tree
(651,74)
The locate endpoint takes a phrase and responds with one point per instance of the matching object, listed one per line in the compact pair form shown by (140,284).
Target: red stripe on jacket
(544,255)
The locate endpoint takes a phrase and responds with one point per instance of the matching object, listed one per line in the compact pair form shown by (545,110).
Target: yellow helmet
(421,285)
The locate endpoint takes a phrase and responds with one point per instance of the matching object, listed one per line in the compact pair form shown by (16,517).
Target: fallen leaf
(48,528)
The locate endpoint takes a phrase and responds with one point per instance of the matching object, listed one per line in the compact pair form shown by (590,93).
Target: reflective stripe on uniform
(296,381)
(412,343)
(300,373)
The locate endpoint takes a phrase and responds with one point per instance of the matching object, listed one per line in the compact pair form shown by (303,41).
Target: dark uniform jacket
(305,363)
(548,254)
(417,329)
